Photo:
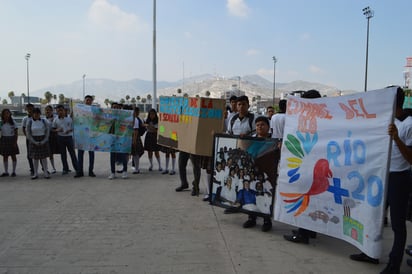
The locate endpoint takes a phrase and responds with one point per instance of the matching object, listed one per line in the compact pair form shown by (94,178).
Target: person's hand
(393,131)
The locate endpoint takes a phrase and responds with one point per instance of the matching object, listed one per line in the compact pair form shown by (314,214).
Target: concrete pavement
(141,225)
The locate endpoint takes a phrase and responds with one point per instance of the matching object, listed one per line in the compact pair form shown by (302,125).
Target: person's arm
(403,148)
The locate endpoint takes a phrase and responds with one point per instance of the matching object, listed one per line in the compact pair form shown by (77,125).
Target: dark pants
(66,142)
(399,187)
(30,160)
(80,156)
(182,163)
(118,156)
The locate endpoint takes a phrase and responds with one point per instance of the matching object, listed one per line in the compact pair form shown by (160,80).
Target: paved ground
(141,225)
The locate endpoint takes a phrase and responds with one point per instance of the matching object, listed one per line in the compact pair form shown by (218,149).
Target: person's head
(60,111)
(259,186)
(29,108)
(116,105)
(262,126)
(36,113)
(229,182)
(136,112)
(246,184)
(48,110)
(270,111)
(233,102)
(88,100)
(242,105)
(6,115)
(400,99)
(282,106)
(311,94)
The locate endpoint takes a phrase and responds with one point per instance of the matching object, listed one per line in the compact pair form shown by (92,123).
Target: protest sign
(188,123)
(334,166)
(102,129)
(244,174)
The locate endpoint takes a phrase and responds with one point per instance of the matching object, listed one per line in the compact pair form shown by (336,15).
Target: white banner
(334,165)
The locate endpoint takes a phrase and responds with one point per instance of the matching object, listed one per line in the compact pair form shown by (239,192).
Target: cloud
(111,17)
(305,36)
(315,70)
(252,52)
(237,8)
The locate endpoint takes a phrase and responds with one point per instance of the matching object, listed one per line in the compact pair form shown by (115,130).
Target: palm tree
(55,98)
(133,101)
(207,93)
(127,98)
(107,102)
(179,91)
(138,98)
(185,95)
(48,96)
(61,98)
(11,95)
(122,101)
(143,100)
(149,98)
(4,101)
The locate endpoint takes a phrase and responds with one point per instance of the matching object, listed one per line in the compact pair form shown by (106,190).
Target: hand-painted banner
(334,166)
(188,123)
(102,129)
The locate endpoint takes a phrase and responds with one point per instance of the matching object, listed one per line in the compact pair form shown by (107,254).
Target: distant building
(233,91)
(22,100)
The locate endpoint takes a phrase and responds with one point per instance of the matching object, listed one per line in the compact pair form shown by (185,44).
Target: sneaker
(172,172)
(249,223)
(136,172)
(124,175)
(5,174)
(362,257)
(150,168)
(165,172)
(267,225)
(112,176)
(34,177)
(13,174)
(160,169)
(65,172)
(53,171)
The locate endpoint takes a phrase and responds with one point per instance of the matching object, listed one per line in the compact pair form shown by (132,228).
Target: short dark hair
(233,98)
(400,97)
(59,106)
(262,119)
(312,93)
(36,110)
(282,106)
(29,105)
(243,98)
(88,96)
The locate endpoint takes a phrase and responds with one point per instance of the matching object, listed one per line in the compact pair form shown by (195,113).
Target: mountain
(252,85)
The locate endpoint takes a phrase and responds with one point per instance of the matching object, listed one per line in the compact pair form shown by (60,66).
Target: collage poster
(334,166)
(244,174)
(102,129)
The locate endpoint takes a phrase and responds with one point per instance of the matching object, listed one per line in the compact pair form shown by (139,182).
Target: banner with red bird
(334,166)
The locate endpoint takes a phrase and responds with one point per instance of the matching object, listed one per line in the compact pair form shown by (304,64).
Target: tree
(149,98)
(179,91)
(4,101)
(207,93)
(55,98)
(143,100)
(11,95)
(48,96)
(44,101)
(107,102)
(185,95)
(138,98)
(122,101)
(133,101)
(127,98)
(61,98)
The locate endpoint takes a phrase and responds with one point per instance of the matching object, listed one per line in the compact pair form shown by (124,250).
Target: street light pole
(274,79)
(369,14)
(84,84)
(28,83)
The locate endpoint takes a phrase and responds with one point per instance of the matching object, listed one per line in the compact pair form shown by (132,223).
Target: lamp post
(369,14)
(274,79)
(28,83)
(84,84)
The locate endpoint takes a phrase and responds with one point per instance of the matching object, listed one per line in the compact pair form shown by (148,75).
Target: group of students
(53,134)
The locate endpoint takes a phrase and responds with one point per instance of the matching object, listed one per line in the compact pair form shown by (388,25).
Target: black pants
(399,187)
(182,163)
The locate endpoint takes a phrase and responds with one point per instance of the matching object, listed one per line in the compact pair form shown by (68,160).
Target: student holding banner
(399,187)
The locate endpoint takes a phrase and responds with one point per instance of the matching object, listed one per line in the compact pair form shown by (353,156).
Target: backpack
(250,116)
(142,129)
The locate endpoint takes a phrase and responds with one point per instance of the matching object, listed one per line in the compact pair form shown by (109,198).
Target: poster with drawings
(244,174)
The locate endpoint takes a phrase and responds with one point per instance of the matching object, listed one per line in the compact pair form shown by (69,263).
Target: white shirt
(39,128)
(8,129)
(65,123)
(398,162)
(277,123)
(242,126)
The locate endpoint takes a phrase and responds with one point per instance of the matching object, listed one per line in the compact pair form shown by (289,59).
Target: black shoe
(206,198)
(296,238)
(5,174)
(91,174)
(249,223)
(34,177)
(391,269)
(181,188)
(195,191)
(65,172)
(13,174)
(312,234)
(408,251)
(78,175)
(385,221)
(231,210)
(409,262)
(362,257)
(267,225)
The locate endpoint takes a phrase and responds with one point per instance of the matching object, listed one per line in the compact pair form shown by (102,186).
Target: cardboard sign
(334,166)
(188,123)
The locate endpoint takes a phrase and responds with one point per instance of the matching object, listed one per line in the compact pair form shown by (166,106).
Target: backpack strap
(251,118)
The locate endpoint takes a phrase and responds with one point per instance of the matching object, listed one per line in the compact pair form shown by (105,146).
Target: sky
(318,41)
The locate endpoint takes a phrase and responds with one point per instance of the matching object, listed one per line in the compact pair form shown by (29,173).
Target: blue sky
(318,40)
